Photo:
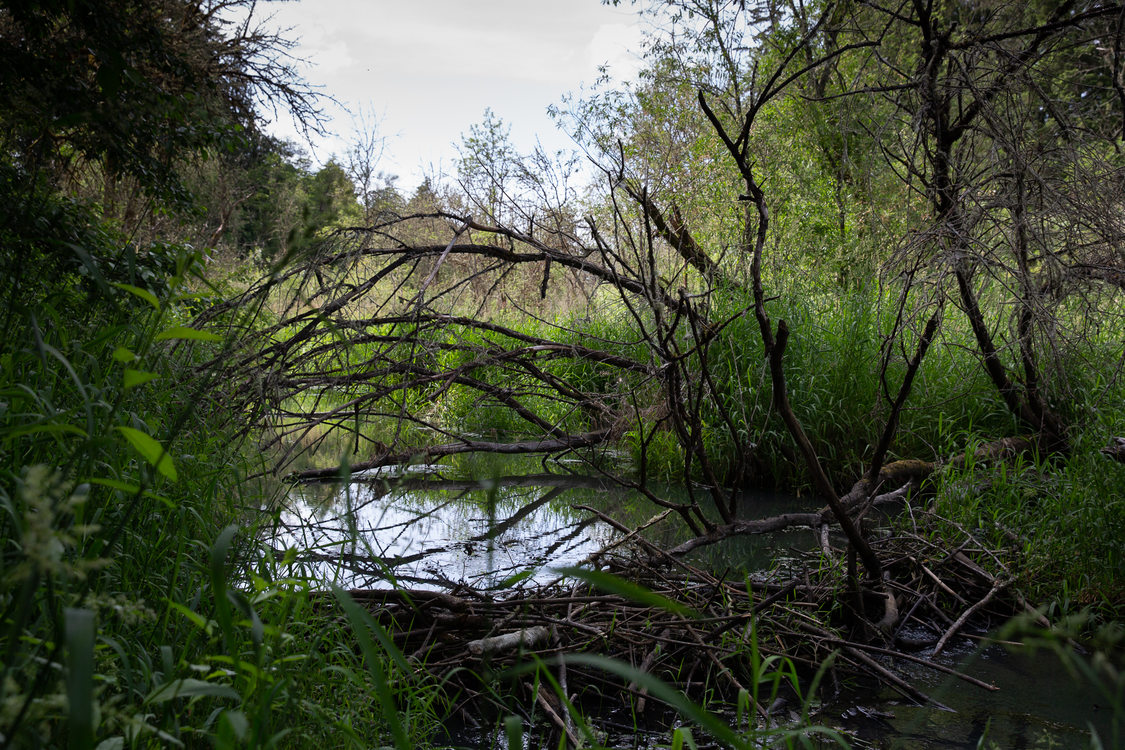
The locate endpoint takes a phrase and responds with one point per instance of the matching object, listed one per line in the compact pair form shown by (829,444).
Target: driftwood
(783,521)
(1115,449)
(498,644)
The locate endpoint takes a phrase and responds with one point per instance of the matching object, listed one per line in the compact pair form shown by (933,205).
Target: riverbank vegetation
(869,256)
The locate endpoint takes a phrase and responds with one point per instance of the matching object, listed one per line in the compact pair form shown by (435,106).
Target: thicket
(921,200)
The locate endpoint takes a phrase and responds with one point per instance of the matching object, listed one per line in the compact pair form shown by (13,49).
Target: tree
(486,165)
(1012,139)
(375,188)
(112,103)
(135,86)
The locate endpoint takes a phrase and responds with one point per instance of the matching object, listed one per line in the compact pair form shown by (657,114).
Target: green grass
(137,606)
(1061,520)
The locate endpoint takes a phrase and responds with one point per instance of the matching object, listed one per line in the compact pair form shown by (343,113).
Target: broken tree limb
(779,522)
(1003,448)
(498,644)
(646,666)
(999,585)
(553,715)
(1115,449)
(425,455)
(936,666)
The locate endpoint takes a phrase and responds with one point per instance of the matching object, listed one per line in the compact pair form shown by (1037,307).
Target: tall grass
(137,605)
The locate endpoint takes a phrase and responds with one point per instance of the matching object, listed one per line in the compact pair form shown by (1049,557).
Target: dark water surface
(1039,704)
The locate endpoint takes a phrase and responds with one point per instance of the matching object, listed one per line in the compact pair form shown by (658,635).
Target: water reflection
(1039,704)
(433,532)
(440,533)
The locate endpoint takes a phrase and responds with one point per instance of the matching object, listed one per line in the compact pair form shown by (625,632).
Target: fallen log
(1115,449)
(430,453)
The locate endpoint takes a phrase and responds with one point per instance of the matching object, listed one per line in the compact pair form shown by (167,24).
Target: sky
(425,70)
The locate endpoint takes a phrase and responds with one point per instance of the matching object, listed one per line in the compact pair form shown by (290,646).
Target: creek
(433,529)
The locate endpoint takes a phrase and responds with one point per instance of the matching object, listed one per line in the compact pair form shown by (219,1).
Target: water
(430,529)
(1039,704)
(435,531)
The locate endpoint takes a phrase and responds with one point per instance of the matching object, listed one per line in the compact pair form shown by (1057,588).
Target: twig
(917,660)
(998,585)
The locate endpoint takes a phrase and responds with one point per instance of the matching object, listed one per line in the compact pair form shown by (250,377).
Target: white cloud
(432,66)
(617,45)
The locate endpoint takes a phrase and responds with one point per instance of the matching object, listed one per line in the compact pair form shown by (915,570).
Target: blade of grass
(364,627)
(80,677)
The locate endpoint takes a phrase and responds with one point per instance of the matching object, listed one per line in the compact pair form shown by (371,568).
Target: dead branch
(433,452)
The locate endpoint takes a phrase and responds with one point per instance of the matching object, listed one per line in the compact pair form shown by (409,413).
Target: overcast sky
(427,69)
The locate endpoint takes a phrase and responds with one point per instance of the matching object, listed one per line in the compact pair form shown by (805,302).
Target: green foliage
(486,165)
(131,611)
(1061,520)
(656,452)
(126,84)
(287,206)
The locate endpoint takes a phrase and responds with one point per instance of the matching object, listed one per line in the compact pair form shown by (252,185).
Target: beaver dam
(512,592)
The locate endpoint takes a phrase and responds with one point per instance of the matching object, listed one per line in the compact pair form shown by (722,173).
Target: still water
(435,529)
(437,533)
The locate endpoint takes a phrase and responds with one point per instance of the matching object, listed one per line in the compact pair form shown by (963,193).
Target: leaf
(513,730)
(627,589)
(233,728)
(219,552)
(131,489)
(123,355)
(196,619)
(363,627)
(48,428)
(189,687)
(183,332)
(515,578)
(133,378)
(664,692)
(682,736)
(144,294)
(152,451)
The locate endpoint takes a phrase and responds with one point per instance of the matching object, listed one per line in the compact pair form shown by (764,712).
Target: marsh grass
(1061,521)
(832,366)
